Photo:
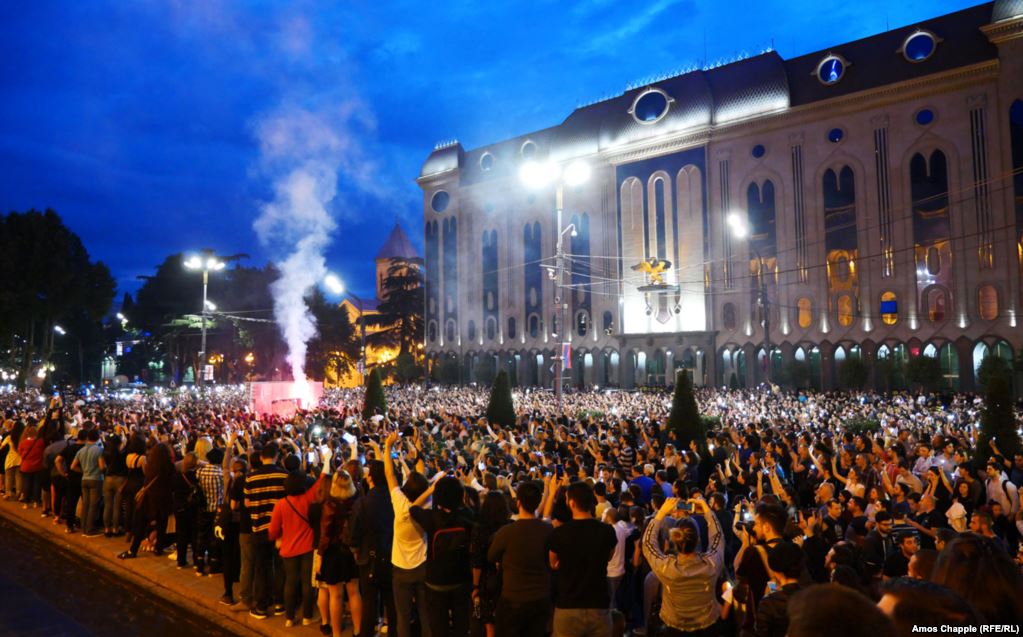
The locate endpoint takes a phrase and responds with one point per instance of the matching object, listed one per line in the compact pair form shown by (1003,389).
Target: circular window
(831,69)
(835,135)
(528,150)
(440,201)
(758,151)
(487,162)
(924,116)
(650,106)
(919,46)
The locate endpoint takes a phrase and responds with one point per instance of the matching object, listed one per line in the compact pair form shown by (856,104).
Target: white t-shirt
(616,567)
(409,548)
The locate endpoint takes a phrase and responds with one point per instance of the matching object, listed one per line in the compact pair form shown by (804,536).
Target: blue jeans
(91,490)
(582,622)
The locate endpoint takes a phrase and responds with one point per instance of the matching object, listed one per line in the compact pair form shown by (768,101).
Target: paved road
(50,592)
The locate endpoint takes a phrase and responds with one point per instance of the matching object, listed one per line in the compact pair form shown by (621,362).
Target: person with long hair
(114,464)
(30,448)
(980,571)
(338,570)
(12,461)
(153,501)
(486,580)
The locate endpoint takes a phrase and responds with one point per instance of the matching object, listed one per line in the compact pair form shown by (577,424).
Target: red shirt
(290,522)
(31,452)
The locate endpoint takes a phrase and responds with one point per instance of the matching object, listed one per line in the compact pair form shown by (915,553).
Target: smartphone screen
(310,457)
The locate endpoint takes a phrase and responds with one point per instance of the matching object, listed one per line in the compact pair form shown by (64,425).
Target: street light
(211,306)
(536,175)
(336,287)
(740,230)
(209,263)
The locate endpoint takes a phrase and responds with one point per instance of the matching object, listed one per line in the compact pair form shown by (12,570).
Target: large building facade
(879,184)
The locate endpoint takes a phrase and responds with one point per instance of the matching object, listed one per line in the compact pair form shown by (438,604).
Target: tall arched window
(728,316)
(1016,140)
(840,244)
(889,308)
(987,302)
(805,307)
(928,177)
(761,213)
(511,327)
(937,300)
(845,310)
(471,330)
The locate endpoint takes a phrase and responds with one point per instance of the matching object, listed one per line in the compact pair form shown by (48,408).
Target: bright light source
(122,317)
(60,330)
(575,233)
(41,373)
(577,173)
(738,225)
(535,174)
(214,264)
(211,305)
(193,263)
(334,284)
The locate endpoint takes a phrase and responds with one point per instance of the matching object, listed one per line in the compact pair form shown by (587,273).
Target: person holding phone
(688,579)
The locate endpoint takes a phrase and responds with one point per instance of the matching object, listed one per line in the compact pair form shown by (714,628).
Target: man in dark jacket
(372,533)
(786,562)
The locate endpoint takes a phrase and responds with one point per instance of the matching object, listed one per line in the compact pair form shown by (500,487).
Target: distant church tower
(397,246)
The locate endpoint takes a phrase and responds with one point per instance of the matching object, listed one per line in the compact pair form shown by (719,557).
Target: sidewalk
(158,576)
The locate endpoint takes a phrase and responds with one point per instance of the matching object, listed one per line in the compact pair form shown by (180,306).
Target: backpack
(448,562)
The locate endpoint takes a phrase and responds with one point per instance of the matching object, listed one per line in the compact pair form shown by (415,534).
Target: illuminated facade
(879,183)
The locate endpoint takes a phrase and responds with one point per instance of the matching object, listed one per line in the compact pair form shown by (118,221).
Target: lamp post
(537,175)
(207,264)
(740,230)
(335,285)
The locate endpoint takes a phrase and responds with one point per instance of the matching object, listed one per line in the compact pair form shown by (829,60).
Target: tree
(685,419)
(406,369)
(46,278)
(501,409)
(334,348)
(924,371)
(375,401)
(991,366)
(797,373)
(400,313)
(852,373)
(997,422)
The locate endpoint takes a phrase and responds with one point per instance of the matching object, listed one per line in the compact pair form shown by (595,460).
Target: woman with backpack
(338,570)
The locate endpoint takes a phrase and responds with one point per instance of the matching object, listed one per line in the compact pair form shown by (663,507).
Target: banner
(566,356)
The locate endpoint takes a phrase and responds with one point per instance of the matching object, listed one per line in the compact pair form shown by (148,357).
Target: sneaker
(44,514)
(278,609)
(126,555)
(258,614)
(227,600)
(173,555)
(288,623)
(309,621)
(325,629)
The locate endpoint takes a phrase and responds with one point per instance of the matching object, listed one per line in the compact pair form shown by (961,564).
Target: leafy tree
(406,369)
(46,278)
(997,422)
(887,373)
(991,366)
(400,313)
(501,409)
(924,371)
(860,424)
(685,419)
(797,374)
(334,348)
(852,373)
(375,401)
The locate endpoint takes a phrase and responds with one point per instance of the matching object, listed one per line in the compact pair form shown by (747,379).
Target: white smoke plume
(302,151)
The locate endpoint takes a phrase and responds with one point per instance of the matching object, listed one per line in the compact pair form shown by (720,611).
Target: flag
(566,356)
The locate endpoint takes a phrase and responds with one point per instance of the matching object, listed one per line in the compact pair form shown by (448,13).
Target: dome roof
(441,160)
(1006,10)
(690,105)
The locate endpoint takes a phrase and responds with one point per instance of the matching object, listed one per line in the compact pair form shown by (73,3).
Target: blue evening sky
(137,120)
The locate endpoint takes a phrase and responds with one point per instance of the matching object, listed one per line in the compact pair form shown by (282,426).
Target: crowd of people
(429,520)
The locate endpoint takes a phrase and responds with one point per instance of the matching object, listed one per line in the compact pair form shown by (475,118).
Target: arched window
(580,324)
(845,310)
(534,326)
(1016,141)
(511,327)
(805,307)
(491,328)
(889,308)
(471,330)
(728,316)
(449,330)
(608,322)
(431,331)
(936,301)
(987,302)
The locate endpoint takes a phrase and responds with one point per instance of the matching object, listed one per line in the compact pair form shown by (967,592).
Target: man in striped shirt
(263,488)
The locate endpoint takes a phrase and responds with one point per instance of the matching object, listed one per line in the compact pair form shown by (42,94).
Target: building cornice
(1004,31)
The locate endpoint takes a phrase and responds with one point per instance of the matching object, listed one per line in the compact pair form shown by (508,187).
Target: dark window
(580,324)
(472,330)
(432,331)
(835,135)
(491,329)
(440,201)
(450,331)
(728,316)
(831,70)
(651,106)
(759,151)
(1016,141)
(608,322)
(534,326)
(924,116)
(511,327)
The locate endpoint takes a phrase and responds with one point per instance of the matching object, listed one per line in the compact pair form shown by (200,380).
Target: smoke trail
(302,151)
